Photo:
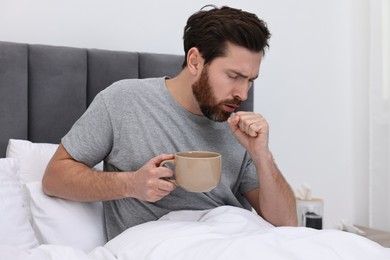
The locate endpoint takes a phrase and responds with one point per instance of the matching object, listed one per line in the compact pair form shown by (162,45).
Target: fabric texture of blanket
(221,233)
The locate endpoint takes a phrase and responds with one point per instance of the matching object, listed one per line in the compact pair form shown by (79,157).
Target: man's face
(224,83)
(208,103)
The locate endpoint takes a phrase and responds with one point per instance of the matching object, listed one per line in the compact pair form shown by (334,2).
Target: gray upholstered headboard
(45,89)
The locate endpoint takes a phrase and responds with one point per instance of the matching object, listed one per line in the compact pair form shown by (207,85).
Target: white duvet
(221,233)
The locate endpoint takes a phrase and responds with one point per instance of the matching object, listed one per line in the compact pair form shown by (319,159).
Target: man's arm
(66,178)
(274,199)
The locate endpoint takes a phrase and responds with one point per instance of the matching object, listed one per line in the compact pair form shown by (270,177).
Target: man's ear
(194,61)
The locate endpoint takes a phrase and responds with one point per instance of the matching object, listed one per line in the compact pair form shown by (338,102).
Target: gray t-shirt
(134,120)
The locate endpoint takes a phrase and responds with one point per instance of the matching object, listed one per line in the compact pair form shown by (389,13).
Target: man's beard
(206,99)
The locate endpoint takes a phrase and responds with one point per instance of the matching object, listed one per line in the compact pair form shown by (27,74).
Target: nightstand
(379,236)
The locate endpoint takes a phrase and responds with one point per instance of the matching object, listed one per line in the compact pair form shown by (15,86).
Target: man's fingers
(158,159)
(149,185)
(233,120)
(159,190)
(252,124)
(256,128)
(166,185)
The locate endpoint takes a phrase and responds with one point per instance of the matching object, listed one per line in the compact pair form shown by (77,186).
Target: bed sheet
(221,233)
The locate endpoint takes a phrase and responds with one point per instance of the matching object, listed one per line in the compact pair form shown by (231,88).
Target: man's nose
(241,92)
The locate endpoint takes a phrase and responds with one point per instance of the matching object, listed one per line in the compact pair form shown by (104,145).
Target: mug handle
(171,161)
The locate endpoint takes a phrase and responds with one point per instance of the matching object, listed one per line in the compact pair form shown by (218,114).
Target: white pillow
(33,158)
(64,222)
(15,230)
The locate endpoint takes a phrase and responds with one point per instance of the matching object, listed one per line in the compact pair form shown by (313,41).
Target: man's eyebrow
(243,75)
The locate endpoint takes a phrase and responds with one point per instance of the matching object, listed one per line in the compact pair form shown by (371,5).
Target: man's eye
(233,76)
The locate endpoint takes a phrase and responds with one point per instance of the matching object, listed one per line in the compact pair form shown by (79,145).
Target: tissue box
(310,212)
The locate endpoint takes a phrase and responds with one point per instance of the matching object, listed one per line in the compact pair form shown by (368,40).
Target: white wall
(312,87)
(379,114)
(311,92)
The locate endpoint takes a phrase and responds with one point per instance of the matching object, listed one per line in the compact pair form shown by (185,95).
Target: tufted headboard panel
(45,89)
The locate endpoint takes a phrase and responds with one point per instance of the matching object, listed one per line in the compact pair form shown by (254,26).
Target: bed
(43,90)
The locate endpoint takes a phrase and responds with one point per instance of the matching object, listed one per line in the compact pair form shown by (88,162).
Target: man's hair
(211,30)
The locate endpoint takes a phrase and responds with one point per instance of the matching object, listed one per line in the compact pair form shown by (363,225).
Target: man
(135,124)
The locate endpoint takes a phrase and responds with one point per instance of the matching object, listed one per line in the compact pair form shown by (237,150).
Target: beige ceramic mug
(196,171)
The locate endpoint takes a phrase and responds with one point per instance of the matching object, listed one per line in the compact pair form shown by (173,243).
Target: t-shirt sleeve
(90,138)
(249,179)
